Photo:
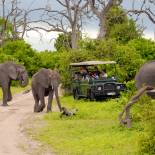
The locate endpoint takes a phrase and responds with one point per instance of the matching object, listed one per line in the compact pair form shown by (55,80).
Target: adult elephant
(44,83)
(11,71)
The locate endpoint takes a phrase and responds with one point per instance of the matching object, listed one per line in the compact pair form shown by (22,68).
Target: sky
(90,29)
(46,42)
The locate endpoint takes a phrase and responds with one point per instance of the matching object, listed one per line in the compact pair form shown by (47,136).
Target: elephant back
(42,77)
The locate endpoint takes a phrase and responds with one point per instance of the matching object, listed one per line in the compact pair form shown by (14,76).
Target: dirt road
(11,118)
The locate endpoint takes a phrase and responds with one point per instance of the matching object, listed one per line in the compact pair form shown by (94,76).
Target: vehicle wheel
(91,95)
(76,94)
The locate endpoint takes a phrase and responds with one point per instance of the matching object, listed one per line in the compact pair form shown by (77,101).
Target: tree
(119,26)
(68,19)
(12,21)
(100,9)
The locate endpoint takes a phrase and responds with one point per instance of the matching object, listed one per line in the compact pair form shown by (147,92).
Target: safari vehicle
(91,87)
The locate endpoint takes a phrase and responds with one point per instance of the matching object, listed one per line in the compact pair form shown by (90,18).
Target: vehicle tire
(76,94)
(91,95)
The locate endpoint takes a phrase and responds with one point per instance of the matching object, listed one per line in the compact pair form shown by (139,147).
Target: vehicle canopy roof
(91,63)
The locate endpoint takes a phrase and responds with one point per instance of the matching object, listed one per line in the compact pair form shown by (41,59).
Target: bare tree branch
(149,15)
(146,8)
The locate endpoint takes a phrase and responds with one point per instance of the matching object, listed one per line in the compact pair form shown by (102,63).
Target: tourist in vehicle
(83,71)
(103,74)
(95,75)
(97,72)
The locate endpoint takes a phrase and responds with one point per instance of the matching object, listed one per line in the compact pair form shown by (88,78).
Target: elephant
(144,82)
(11,71)
(45,83)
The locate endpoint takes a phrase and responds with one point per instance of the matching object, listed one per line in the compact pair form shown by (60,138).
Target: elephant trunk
(57,98)
(24,80)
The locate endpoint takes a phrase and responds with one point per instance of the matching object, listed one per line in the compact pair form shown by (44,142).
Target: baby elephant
(44,83)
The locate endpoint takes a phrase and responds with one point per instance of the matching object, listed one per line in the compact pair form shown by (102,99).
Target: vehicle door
(84,85)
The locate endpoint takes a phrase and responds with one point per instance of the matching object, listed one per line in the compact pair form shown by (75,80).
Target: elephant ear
(12,71)
(55,75)
(44,78)
(55,78)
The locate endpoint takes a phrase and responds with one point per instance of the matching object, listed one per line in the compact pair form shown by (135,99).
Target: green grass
(93,131)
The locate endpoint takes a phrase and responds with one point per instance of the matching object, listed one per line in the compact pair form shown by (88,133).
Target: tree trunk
(3,23)
(74,41)
(102,28)
(74,38)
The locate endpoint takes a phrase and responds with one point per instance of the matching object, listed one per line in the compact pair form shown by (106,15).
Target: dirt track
(11,118)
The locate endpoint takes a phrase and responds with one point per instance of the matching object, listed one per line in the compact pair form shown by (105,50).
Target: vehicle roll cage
(91,63)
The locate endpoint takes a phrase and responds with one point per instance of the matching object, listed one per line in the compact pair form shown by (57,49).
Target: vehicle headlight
(99,88)
(118,87)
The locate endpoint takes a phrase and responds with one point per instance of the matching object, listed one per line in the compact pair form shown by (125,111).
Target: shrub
(129,61)
(147,139)
(4,57)
(22,52)
(145,47)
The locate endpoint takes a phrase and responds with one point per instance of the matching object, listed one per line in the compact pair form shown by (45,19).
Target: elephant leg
(50,99)
(9,93)
(5,95)
(42,100)
(36,105)
(36,99)
(57,98)
(126,110)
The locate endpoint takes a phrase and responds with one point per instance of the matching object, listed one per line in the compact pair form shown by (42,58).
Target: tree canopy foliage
(119,26)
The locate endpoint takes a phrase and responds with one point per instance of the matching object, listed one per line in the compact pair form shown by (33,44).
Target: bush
(147,139)
(23,53)
(147,143)
(49,59)
(145,47)
(4,57)
(63,42)
(129,61)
